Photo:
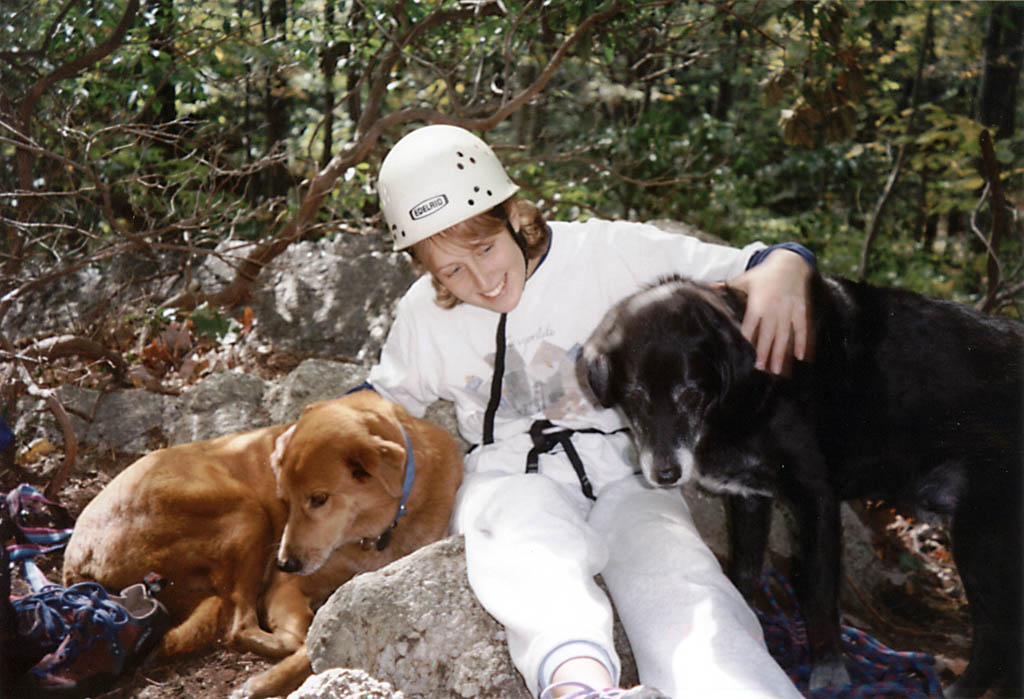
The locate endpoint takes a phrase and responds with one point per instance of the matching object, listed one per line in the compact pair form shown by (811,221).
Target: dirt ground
(927,613)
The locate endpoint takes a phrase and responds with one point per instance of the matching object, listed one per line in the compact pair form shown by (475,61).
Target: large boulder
(331,299)
(222,403)
(417,625)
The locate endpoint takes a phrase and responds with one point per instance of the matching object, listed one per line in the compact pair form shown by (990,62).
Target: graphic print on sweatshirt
(545,385)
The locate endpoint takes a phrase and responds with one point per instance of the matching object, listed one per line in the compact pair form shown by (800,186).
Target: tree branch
(999,221)
(55,406)
(875,222)
(23,158)
(368,132)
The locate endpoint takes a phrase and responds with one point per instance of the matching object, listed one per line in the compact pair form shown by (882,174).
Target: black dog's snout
(289,565)
(667,475)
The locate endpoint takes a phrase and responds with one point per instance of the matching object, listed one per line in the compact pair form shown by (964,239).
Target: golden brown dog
(337,489)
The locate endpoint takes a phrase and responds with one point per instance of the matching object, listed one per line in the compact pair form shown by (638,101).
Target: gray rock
(131,421)
(221,404)
(708,510)
(343,683)
(417,625)
(311,381)
(126,283)
(333,300)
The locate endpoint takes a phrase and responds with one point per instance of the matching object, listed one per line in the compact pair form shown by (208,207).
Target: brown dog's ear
(388,444)
(280,444)
(389,465)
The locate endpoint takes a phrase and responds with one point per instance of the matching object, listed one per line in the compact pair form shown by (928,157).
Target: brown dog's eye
(317,500)
(358,472)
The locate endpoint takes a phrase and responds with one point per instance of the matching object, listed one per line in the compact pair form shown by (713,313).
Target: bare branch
(874,223)
(74,346)
(369,130)
(999,221)
(55,407)
(23,159)
(77,65)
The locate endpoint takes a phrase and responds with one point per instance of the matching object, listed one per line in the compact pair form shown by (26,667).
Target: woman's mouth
(496,291)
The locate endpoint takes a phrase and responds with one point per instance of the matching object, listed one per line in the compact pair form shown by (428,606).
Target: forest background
(884,136)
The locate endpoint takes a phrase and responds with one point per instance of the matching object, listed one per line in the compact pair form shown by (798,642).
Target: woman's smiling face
(488,272)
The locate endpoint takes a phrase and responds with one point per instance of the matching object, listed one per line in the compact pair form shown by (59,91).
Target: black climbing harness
(546,435)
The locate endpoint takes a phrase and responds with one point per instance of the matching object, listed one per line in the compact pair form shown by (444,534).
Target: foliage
(265,120)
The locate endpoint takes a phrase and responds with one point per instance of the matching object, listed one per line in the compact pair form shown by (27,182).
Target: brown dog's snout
(289,565)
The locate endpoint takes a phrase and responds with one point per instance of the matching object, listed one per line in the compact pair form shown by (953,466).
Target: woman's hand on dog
(777,321)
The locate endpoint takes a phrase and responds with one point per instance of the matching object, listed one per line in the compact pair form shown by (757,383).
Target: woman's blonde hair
(532,227)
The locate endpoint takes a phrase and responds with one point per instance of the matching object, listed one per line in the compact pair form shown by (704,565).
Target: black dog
(908,398)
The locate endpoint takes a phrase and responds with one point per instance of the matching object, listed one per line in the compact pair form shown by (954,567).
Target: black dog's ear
(597,368)
(736,300)
(735,356)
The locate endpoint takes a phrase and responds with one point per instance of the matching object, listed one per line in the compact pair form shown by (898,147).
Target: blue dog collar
(410,476)
(382,541)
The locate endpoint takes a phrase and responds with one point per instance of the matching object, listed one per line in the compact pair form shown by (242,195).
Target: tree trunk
(277,105)
(1004,50)
(24,158)
(328,66)
(161,42)
(875,222)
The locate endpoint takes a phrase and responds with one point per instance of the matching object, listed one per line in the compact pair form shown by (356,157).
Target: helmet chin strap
(520,241)
(499,348)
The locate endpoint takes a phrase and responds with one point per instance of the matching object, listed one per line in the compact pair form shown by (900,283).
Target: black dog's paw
(829,672)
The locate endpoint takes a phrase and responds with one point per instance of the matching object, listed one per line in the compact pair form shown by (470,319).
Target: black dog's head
(669,357)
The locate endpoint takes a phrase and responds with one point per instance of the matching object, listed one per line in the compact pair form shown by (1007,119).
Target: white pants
(534,545)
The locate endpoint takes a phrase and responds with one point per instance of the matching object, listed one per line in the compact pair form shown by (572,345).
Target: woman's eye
(452,272)
(317,500)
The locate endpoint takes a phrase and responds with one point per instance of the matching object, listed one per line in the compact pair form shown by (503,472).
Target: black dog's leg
(989,563)
(817,585)
(749,522)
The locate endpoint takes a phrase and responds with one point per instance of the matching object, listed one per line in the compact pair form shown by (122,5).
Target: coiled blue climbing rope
(875,669)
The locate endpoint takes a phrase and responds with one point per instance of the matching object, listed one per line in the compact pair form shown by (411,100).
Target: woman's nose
(478,276)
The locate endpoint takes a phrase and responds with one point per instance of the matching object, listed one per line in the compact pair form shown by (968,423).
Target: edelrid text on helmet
(435,177)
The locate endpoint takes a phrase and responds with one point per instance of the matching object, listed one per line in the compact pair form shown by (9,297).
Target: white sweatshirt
(434,353)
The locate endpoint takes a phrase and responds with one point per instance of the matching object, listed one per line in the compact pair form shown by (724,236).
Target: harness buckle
(546,436)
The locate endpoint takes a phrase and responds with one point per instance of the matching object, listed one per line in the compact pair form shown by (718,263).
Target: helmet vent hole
(472,160)
(460,166)
(490,193)
(476,189)
(470,202)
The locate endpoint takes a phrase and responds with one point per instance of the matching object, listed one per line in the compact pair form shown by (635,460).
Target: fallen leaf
(36,450)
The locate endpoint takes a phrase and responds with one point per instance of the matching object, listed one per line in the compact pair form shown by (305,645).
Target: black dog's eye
(318,500)
(638,398)
(687,400)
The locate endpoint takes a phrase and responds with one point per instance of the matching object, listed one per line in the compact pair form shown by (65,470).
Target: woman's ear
(515,213)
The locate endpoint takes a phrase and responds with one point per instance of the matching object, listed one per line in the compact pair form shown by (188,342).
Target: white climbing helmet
(435,177)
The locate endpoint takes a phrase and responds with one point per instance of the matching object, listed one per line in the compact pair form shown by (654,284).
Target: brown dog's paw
(279,680)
